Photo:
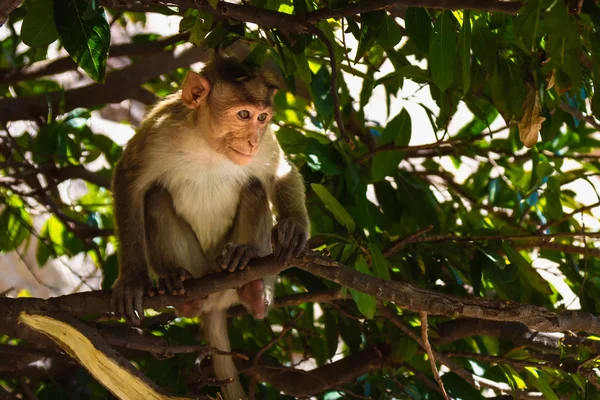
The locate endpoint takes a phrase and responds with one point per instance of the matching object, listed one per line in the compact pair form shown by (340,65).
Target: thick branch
(514,332)
(299,383)
(400,293)
(416,299)
(120,85)
(60,65)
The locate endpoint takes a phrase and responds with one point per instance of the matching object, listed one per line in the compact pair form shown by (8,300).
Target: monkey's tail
(215,333)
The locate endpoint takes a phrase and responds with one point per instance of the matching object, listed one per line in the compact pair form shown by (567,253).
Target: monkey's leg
(250,237)
(172,246)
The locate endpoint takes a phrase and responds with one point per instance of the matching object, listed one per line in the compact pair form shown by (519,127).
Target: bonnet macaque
(193,195)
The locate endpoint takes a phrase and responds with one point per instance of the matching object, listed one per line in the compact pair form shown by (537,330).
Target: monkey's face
(241,129)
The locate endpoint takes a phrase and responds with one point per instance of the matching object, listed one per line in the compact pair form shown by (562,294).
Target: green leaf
(213,3)
(339,212)
(540,381)
(369,32)
(91,10)
(45,143)
(527,22)
(366,303)
(15,224)
(87,41)
(443,51)
(256,56)
(201,28)
(465,50)
(389,33)
(418,27)
(385,163)
(412,72)
(379,261)
(43,253)
(331,333)
(39,29)
(110,271)
(526,271)
(553,204)
(398,130)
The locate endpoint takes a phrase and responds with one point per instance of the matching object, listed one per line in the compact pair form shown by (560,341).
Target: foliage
(369,190)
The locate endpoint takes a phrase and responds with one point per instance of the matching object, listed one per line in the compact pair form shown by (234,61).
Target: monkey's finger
(137,304)
(300,245)
(288,245)
(113,306)
(130,313)
(177,282)
(161,286)
(169,283)
(183,274)
(236,258)
(289,250)
(248,255)
(226,258)
(288,237)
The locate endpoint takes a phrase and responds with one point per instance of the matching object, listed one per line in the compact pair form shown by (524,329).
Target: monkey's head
(234,106)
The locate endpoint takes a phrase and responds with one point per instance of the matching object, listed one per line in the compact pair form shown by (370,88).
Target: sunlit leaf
(338,211)
(443,51)
(87,41)
(38,27)
(418,27)
(366,303)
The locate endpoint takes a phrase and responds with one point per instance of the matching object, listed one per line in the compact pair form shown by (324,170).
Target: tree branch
(421,300)
(120,85)
(514,332)
(60,65)
(302,384)
(430,355)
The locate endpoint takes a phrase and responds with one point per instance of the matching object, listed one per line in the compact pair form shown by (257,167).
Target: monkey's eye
(244,114)
(262,117)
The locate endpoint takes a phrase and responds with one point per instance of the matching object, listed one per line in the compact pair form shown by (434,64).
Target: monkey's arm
(293,225)
(250,234)
(133,280)
(171,244)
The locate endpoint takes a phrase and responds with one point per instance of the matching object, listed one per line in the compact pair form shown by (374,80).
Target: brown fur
(192,193)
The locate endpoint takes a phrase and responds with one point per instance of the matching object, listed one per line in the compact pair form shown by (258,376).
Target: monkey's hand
(172,282)
(236,256)
(126,299)
(289,240)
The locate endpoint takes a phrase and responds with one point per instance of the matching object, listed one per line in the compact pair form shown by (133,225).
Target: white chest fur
(207,196)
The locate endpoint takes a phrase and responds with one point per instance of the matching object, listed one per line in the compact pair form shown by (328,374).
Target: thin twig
(277,338)
(399,244)
(478,238)
(579,115)
(567,216)
(429,350)
(334,78)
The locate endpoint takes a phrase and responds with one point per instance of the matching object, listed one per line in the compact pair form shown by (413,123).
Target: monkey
(194,193)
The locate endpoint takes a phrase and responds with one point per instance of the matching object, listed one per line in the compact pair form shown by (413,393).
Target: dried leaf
(531,123)
(550,79)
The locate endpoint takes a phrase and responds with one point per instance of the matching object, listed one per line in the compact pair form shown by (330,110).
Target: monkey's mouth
(249,155)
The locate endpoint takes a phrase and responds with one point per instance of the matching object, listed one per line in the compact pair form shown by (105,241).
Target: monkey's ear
(195,90)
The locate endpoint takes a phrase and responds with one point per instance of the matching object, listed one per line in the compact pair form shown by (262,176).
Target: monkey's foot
(126,299)
(236,256)
(172,282)
(289,240)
